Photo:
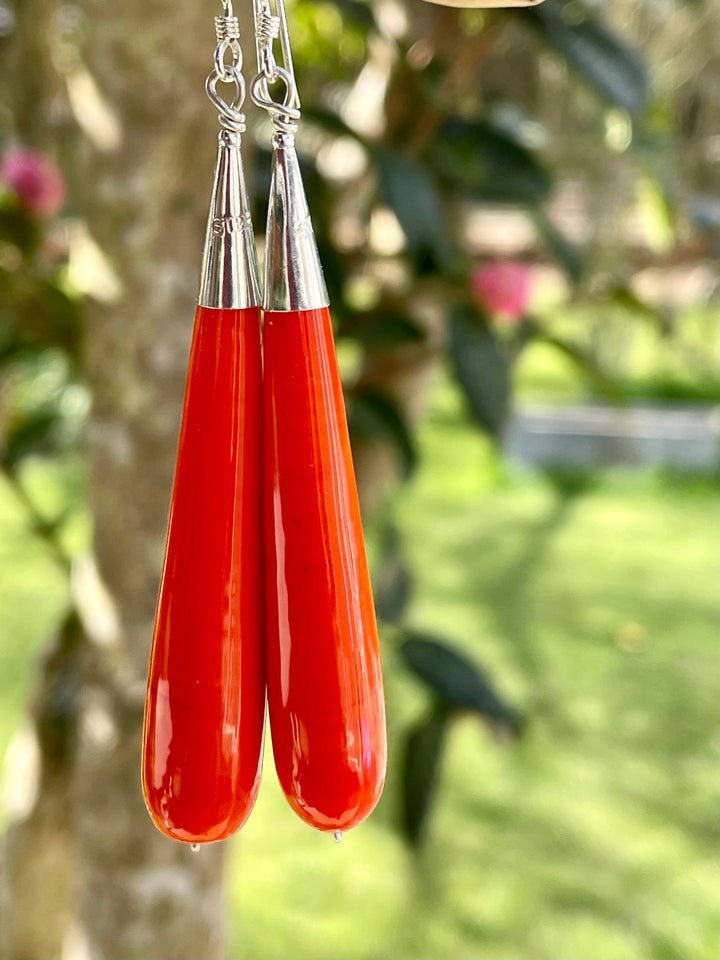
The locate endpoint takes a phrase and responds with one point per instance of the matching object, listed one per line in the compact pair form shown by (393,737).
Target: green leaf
(482,370)
(585,361)
(332,123)
(392,584)
(381,331)
(332,263)
(353,11)
(409,189)
(421,769)
(457,682)
(64,317)
(484,162)
(623,296)
(612,68)
(59,707)
(11,345)
(16,226)
(41,315)
(559,247)
(33,433)
(372,414)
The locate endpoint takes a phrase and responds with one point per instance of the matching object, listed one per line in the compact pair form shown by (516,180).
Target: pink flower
(35,179)
(503,287)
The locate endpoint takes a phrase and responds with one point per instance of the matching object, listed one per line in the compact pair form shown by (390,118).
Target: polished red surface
(205,706)
(325,692)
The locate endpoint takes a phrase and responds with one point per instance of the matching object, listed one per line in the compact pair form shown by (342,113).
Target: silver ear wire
(293,274)
(229,277)
(269,27)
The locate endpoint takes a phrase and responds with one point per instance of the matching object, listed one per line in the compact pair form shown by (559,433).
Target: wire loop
(269,27)
(231,116)
(283,115)
(227,32)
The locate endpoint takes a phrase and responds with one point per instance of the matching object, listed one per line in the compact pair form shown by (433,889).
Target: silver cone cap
(229,277)
(293,274)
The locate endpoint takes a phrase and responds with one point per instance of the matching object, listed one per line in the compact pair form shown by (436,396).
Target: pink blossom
(503,287)
(35,179)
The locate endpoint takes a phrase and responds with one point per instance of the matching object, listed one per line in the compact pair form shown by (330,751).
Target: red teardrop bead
(205,707)
(325,690)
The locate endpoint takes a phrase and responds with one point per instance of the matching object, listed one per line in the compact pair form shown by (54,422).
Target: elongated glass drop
(324,677)
(206,696)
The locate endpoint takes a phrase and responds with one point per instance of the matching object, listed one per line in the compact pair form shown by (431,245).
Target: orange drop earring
(325,692)
(205,706)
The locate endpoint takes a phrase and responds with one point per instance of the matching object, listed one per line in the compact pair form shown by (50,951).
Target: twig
(38,524)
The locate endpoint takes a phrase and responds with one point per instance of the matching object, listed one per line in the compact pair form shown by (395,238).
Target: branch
(41,527)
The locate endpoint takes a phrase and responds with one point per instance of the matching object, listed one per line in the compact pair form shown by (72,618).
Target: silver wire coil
(227,28)
(267,27)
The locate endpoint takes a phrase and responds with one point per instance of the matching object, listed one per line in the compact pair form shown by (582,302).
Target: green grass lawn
(593,606)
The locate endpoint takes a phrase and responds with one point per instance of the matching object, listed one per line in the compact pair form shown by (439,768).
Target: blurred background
(518,216)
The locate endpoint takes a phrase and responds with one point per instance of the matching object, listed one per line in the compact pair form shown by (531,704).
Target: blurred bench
(687,438)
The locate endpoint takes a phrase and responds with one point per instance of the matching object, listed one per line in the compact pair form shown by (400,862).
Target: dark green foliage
(567,255)
(392,583)
(457,686)
(482,370)
(410,190)
(482,162)
(457,682)
(604,385)
(40,337)
(598,55)
(373,415)
(57,718)
(17,227)
(378,330)
(421,772)
(34,432)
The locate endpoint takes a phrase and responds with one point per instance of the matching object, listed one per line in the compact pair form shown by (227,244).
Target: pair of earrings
(264,505)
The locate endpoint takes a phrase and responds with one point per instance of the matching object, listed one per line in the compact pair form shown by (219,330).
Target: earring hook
(269,27)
